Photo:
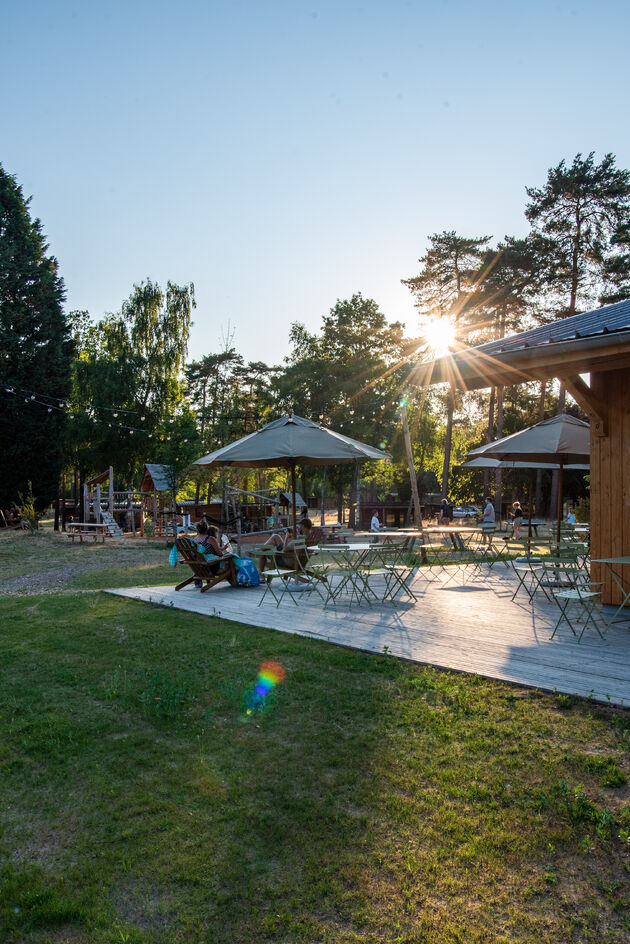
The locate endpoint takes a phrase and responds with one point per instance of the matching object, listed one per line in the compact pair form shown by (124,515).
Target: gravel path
(54,579)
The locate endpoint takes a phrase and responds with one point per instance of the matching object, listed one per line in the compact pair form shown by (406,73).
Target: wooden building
(594,343)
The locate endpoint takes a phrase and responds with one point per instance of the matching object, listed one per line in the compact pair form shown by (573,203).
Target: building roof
(593,340)
(161,477)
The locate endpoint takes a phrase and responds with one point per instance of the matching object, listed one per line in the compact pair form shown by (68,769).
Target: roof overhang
(473,369)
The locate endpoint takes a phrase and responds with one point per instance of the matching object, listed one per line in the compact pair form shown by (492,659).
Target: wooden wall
(610,481)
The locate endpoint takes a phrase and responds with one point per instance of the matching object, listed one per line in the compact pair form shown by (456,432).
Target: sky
(281,154)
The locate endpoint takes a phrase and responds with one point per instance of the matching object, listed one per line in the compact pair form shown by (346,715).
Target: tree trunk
(340,503)
(413,478)
(447,442)
(498,475)
(489,438)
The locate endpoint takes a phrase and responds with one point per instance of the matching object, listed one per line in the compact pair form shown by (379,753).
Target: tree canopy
(35,353)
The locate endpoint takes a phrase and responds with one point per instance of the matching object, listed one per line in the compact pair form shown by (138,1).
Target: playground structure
(153,511)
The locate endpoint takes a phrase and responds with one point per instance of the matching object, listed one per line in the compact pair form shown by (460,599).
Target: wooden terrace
(469,625)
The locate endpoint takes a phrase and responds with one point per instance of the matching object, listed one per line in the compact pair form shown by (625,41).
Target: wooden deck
(470,626)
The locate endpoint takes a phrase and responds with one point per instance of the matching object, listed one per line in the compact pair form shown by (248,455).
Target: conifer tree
(35,353)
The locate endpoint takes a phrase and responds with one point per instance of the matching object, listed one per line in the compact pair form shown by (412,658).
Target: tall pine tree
(35,353)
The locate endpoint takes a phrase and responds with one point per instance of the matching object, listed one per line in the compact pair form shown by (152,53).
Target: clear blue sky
(282,155)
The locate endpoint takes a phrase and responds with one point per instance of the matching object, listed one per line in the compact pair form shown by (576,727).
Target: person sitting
(284,543)
(571,517)
(207,537)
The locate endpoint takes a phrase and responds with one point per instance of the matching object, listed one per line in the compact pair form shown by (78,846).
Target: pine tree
(35,353)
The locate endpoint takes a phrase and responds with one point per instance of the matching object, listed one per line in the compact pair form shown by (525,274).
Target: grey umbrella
(563,439)
(289,441)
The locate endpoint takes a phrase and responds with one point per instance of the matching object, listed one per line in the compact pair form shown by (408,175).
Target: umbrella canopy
(562,439)
(292,440)
(289,441)
(486,462)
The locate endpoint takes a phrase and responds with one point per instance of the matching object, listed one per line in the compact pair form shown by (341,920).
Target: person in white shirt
(375,524)
(488,520)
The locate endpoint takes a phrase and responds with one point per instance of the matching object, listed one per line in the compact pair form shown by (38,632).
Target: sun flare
(439,335)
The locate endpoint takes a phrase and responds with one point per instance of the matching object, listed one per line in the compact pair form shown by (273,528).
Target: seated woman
(284,543)
(207,537)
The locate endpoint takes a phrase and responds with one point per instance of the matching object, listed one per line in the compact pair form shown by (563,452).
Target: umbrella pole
(293,503)
(294,509)
(529,514)
(560,484)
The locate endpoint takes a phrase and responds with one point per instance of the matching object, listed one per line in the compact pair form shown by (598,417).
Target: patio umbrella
(563,439)
(289,441)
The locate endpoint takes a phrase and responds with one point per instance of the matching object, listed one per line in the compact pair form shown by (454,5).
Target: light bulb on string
(115,415)
(50,409)
(142,419)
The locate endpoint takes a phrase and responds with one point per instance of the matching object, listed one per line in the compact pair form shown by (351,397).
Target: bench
(87,529)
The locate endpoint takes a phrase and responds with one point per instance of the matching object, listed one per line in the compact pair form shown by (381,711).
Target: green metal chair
(572,590)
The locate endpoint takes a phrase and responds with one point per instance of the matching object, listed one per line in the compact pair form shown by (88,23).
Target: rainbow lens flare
(270,674)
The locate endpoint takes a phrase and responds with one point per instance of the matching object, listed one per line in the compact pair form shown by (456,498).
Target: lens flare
(256,697)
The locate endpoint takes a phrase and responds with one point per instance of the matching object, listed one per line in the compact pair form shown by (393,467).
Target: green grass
(374,801)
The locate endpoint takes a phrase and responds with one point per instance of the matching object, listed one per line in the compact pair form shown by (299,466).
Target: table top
(355,546)
(610,560)
(85,524)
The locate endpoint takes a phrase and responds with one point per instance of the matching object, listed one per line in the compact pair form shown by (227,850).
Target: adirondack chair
(210,572)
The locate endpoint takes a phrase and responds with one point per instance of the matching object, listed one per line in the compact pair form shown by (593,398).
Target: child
(517,518)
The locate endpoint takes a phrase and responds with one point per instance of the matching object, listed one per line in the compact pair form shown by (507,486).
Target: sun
(439,335)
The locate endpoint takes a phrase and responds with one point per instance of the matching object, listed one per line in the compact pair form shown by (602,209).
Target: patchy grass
(373,802)
(45,561)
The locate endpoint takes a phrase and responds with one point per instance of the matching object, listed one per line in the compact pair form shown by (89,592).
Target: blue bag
(172,557)
(246,572)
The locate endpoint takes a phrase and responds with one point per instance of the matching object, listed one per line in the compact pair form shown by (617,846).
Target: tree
(35,353)
(127,377)
(349,375)
(575,218)
(577,215)
(445,291)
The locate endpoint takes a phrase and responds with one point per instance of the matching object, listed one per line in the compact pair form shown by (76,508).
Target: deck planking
(467,625)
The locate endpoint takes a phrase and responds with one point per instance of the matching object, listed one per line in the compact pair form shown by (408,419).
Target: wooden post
(417,513)
(130,508)
(156,522)
(97,510)
(323,514)
(63,502)
(111,490)
(86,508)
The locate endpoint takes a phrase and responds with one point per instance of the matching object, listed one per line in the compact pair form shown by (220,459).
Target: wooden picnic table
(87,529)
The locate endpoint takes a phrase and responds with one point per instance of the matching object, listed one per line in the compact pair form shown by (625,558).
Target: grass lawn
(373,801)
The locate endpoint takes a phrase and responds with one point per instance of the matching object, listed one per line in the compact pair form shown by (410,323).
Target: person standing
(375,524)
(517,519)
(488,521)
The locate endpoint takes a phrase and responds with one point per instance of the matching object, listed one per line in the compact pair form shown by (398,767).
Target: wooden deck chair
(209,572)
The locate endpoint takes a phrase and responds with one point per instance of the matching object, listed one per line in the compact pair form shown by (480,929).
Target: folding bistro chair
(573,592)
(270,572)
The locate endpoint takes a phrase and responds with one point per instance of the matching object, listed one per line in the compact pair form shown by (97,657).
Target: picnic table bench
(87,529)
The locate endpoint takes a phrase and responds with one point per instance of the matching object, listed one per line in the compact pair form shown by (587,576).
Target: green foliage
(27,506)
(127,378)
(35,352)
(578,217)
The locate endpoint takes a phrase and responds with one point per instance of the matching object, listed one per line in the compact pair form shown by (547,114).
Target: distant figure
(375,524)
(571,517)
(487,521)
(444,516)
(517,518)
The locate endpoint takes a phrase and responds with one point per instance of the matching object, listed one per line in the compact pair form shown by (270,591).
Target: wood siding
(610,480)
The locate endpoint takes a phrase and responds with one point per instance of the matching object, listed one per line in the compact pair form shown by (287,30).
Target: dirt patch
(55,579)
